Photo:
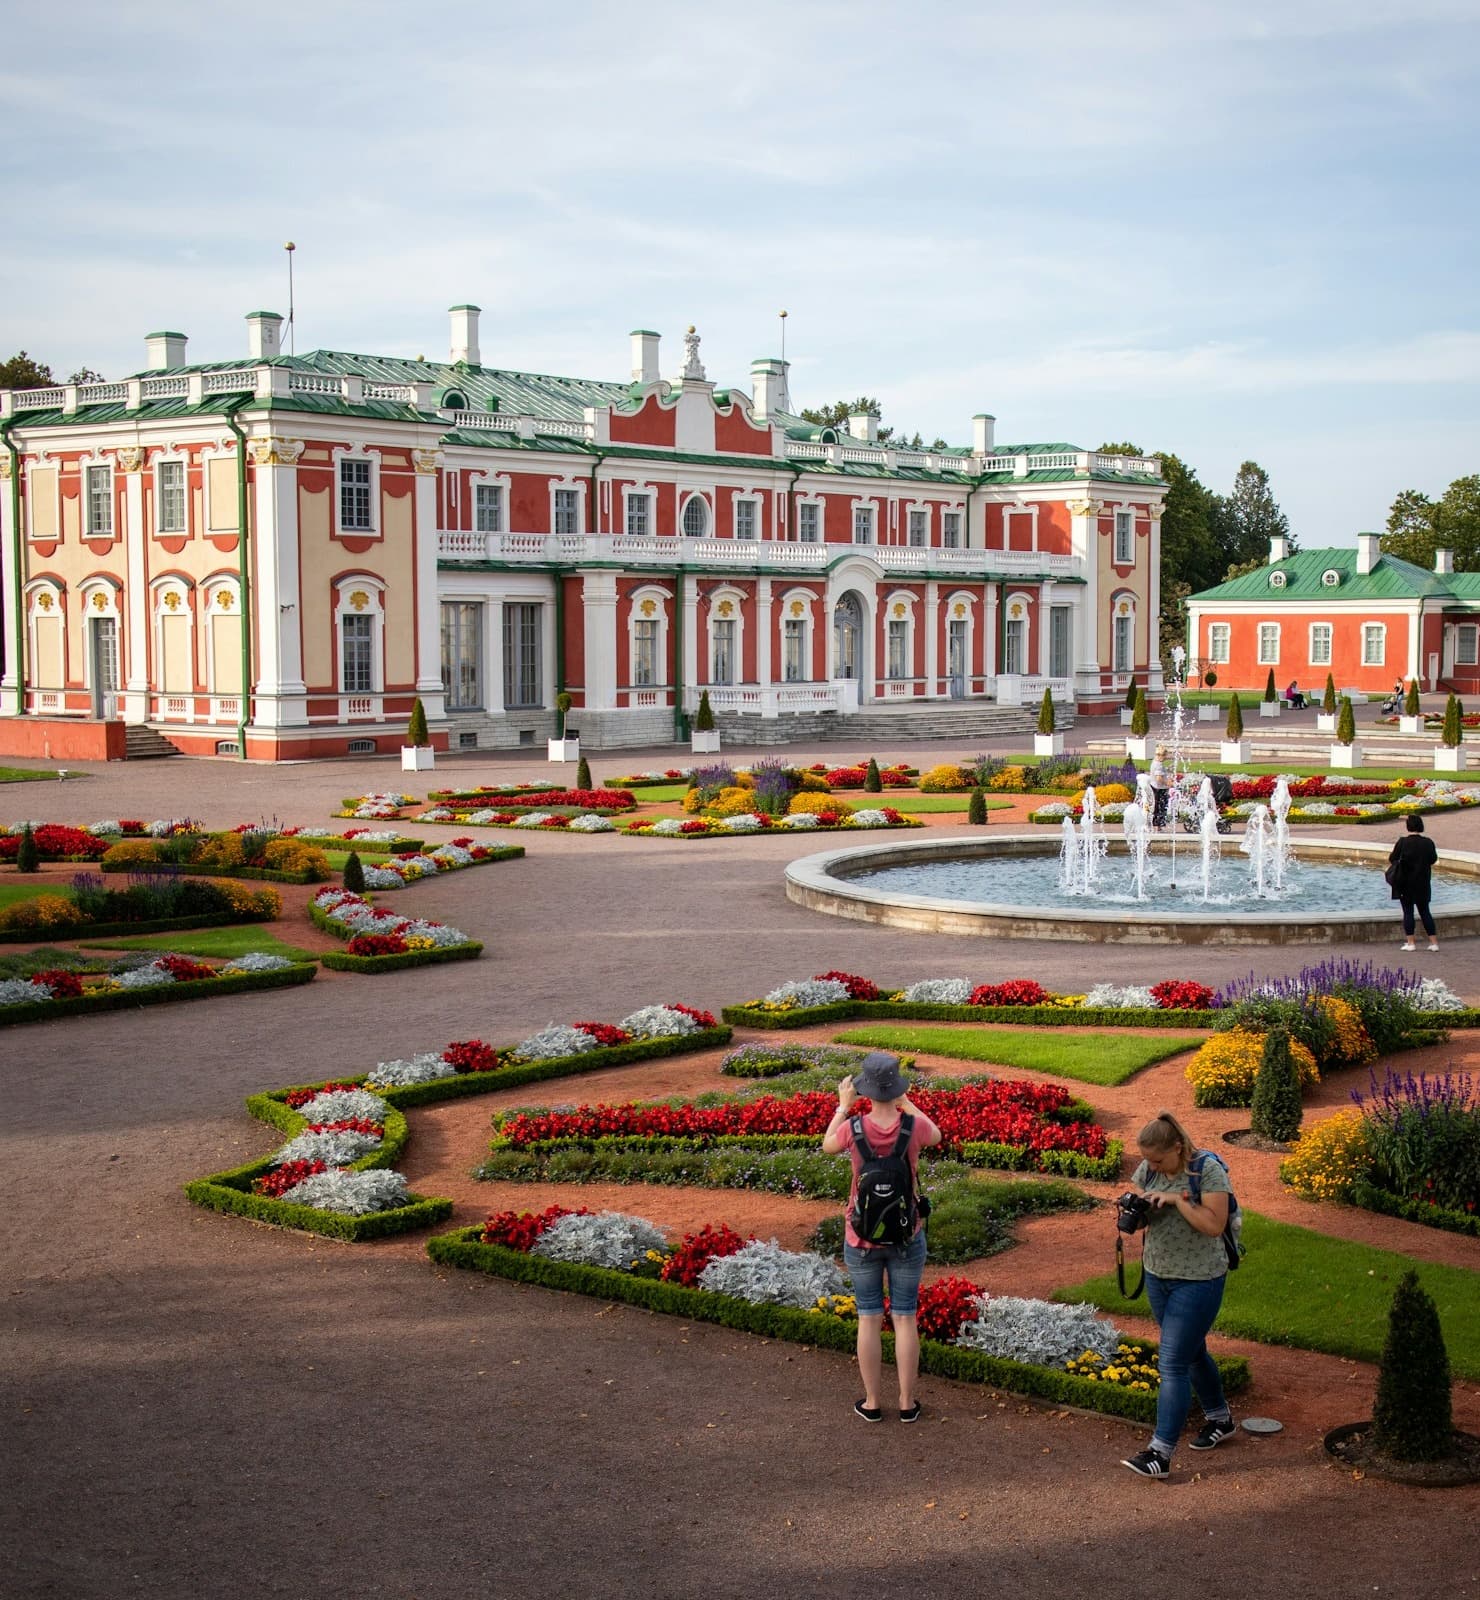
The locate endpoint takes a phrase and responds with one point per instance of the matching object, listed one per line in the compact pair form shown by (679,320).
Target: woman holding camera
(1186,1266)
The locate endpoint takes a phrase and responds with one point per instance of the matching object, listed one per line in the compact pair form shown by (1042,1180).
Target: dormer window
(1276,580)
(1331,578)
(454,400)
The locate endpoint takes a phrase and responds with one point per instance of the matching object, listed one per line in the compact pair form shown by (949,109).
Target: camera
(1132,1212)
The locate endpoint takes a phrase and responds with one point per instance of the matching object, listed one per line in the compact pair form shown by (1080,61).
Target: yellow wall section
(320,558)
(226,654)
(222,497)
(46,671)
(395,562)
(71,519)
(41,491)
(174,646)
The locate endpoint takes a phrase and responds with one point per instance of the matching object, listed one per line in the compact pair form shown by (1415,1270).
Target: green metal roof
(1390,579)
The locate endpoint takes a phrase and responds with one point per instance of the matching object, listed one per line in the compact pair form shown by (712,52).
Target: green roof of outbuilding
(1390,579)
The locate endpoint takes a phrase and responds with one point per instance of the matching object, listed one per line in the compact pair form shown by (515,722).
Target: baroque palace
(273,557)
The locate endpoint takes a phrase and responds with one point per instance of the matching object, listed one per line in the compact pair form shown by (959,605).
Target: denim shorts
(904,1263)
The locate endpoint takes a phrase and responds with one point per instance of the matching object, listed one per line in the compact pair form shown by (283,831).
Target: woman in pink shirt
(880,1079)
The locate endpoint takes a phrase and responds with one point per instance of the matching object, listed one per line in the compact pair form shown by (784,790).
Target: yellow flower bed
(835,1305)
(1353,1046)
(1010,780)
(814,783)
(1107,794)
(817,803)
(42,913)
(293,855)
(264,902)
(132,852)
(1328,1158)
(218,850)
(1130,1368)
(947,779)
(1223,1071)
(729,802)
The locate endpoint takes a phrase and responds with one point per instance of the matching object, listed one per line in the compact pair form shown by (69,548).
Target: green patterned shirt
(1174,1248)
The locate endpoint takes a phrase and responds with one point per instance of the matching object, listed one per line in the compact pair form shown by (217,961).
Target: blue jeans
(1184,1309)
(904,1264)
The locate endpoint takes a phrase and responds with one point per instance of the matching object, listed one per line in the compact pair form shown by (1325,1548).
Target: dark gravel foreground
(195,1406)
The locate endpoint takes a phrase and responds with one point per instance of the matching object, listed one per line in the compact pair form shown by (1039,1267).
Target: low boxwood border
(191,869)
(1370,1198)
(745,1016)
(751,833)
(109,930)
(461,1248)
(127,999)
(343,961)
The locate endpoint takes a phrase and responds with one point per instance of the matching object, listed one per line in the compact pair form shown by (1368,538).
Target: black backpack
(886,1209)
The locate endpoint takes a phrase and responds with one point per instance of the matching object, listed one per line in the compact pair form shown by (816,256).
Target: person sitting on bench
(1294,698)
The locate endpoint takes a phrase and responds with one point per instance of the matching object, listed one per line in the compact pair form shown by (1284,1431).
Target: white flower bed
(349,914)
(553,1042)
(344,1105)
(609,1239)
(255,961)
(802,820)
(424,1067)
(22,992)
(533,819)
(658,1022)
(667,825)
(1053,811)
(765,1274)
(1037,1331)
(336,1149)
(742,822)
(439,814)
(480,818)
(377,877)
(352,1194)
(110,829)
(870,817)
(589,822)
(805,992)
(1433,994)
(151,977)
(1120,996)
(939,992)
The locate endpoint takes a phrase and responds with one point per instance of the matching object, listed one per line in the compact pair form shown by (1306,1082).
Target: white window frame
(659,616)
(633,496)
(374,608)
(692,502)
(160,463)
(57,612)
(950,529)
(800,629)
(816,510)
(1467,655)
(490,503)
(567,486)
(359,458)
(1269,644)
(162,589)
(35,489)
(1374,632)
(751,501)
(959,606)
(735,599)
(94,500)
(213,588)
(917,518)
(1220,643)
(1124,537)
(1319,652)
(865,521)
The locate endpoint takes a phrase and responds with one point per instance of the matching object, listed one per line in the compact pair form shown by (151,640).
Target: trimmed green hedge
(462,1249)
(918,1011)
(1370,1198)
(193,869)
(343,961)
(109,930)
(127,999)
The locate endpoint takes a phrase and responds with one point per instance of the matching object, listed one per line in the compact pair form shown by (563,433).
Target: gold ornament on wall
(45,600)
(960,608)
(727,608)
(1124,608)
(648,607)
(130,457)
(798,608)
(899,608)
(172,600)
(225,599)
(100,601)
(359,600)
(1015,609)
(426,461)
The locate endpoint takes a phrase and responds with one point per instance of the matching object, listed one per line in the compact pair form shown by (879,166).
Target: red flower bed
(705,1019)
(944,1306)
(854,777)
(349,1125)
(281,1179)
(604,1033)
(858,988)
(184,970)
(1015,992)
(1317,788)
(55,841)
(1182,994)
(471,1055)
(301,1097)
(1003,1112)
(63,985)
(697,1250)
(518,1230)
(377,944)
(586,799)
(694,825)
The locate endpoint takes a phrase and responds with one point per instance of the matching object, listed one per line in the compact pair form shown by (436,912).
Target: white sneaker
(1405,947)
(1433,949)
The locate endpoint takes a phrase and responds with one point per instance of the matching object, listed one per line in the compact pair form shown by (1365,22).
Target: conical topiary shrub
(1277,1109)
(27,856)
(1410,701)
(1045,711)
(583,774)
(872,782)
(1140,721)
(1270,693)
(1454,727)
(354,874)
(976,808)
(1130,694)
(416,729)
(1412,1417)
(704,716)
(1346,723)
(1328,700)
(1235,729)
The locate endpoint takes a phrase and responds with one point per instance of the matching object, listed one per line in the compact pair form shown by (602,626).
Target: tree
(1130,693)
(836,415)
(583,774)
(86,375)
(704,716)
(1250,517)
(21,372)
(1235,728)
(354,874)
(1410,701)
(1276,1110)
(27,856)
(416,729)
(1271,694)
(1346,723)
(1454,729)
(1412,1416)
(1140,720)
(873,782)
(1417,526)
(1328,699)
(976,808)
(1045,712)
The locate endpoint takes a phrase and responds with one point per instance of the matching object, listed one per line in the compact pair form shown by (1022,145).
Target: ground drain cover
(1262,1425)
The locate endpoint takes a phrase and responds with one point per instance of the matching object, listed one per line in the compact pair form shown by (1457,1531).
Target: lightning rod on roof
(290,247)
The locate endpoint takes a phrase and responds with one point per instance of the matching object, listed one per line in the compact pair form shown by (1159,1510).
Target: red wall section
(1053,528)
(734,435)
(652,424)
(63,739)
(1243,670)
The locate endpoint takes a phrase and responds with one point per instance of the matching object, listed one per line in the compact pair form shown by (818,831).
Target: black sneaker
(1213,1434)
(910,1413)
(868,1413)
(1150,1464)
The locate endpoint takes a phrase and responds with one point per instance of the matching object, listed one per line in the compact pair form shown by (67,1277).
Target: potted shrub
(417,754)
(1449,755)
(1326,716)
(1234,750)
(1346,752)
(1411,719)
(1128,707)
(704,738)
(1269,706)
(1136,745)
(566,745)
(1046,742)
(1209,712)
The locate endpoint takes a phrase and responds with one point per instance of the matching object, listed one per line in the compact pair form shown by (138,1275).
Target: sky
(1226,231)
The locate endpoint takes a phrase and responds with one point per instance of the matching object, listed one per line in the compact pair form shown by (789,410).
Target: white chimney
(768,380)
(983,433)
(1279,548)
(863,425)
(465,335)
(1444,561)
(644,356)
(264,335)
(1369,552)
(164,350)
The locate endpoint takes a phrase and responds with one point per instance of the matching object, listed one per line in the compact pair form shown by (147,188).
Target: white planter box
(1346,755)
(563,749)
(418,758)
(704,744)
(1234,752)
(1325,722)
(1269,708)
(1048,744)
(1138,749)
(1447,760)
(1410,724)
(1125,717)
(1209,713)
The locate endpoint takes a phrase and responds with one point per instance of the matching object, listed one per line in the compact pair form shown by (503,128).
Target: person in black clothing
(1409,868)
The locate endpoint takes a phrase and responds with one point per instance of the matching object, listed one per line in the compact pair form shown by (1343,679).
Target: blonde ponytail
(1164,1132)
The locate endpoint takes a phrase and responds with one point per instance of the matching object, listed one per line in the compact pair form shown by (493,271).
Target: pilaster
(278,691)
(599,616)
(428,619)
(932,641)
(13,582)
(135,698)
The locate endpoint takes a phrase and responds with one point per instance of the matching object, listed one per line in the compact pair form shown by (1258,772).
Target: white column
(765,643)
(136,662)
(688,597)
(989,643)
(278,692)
(599,613)
(549,664)
(428,613)
(1045,601)
(932,642)
(493,657)
(13,582)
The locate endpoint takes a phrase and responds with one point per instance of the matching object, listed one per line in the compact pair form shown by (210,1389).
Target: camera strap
(1129,1294)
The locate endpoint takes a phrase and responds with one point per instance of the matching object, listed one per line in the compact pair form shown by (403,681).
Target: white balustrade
(806,450)
(48,702)
(359,708)
(316,382)
(164,388)
(225,708)
(97,394)
(390,391)
(234,381)
(1019,689)
(38,399)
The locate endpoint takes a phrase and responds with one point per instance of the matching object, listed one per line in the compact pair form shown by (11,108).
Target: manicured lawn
(10,893)
(1306,1289)
(658,793)
(1103,1058)
(222,942)
(47,958)
(24,774)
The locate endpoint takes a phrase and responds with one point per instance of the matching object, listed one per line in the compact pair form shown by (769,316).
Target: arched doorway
(848,669)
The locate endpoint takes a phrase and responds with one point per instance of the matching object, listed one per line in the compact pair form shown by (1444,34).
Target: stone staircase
(143,743)
(963,724)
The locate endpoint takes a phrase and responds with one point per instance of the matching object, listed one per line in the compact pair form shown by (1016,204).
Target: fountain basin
(828,882)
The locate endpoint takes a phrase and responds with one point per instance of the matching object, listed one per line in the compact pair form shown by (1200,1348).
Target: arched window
(454,400)
(695,517)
